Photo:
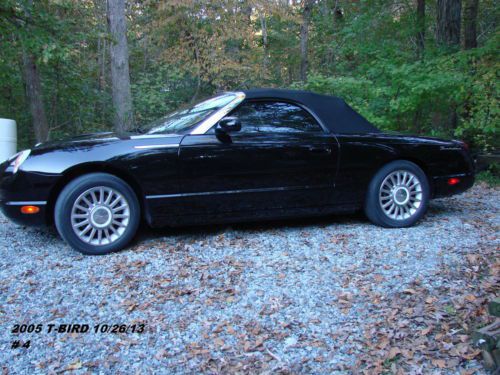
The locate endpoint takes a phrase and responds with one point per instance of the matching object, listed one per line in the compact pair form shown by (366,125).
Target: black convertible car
(249,155)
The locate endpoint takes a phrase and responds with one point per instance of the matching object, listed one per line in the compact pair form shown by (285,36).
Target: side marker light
(30,210)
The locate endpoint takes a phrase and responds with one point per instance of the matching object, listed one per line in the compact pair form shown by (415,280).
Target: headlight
(19,159)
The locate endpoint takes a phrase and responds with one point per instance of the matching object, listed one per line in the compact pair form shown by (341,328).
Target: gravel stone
(271,293)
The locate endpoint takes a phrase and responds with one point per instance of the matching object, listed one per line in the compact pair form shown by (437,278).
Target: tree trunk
(35,97)
(304,39)
(417,118)
(33,85)
(120,76)
(420,28)
(247,11)
(470,23)
(448,22)
(337,12)
(263,24)
(449,13)
(198,73)
(101,26)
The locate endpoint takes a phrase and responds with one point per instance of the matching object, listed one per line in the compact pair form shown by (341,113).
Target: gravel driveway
(309,296)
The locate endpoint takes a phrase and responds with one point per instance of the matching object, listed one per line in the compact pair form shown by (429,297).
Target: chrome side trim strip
(26,203)
(261,190)
(210,121)
(145,147)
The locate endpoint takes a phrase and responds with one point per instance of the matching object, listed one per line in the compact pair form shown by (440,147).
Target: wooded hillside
(422,66)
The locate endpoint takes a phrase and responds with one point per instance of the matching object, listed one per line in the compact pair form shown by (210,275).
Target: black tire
(72,192)
(373,207)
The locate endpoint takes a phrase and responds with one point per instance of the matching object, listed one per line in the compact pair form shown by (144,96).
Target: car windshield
(183,120)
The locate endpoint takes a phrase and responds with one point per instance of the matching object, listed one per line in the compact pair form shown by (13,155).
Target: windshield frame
(205,125)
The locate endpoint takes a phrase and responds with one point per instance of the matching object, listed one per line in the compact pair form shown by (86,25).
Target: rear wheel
(398,195)
(97,213)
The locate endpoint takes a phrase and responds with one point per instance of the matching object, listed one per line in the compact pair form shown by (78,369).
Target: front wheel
(97,213)
(398,195)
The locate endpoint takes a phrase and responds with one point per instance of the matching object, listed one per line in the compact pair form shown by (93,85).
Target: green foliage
(364,51)
(482,121)
(61,37)
(159,92)
(491,176)
(392,96)
(377,73)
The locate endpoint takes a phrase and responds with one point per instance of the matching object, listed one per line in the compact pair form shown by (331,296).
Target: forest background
(418,66)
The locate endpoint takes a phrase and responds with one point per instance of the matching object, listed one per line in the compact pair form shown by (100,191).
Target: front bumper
(12,209)
(22,189)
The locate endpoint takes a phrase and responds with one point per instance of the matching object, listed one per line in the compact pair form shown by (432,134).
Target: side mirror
(229,125)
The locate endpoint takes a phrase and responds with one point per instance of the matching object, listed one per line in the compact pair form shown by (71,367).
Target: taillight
(453,181)
(465,145)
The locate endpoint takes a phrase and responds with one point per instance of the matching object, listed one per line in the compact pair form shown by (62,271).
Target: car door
(280,159)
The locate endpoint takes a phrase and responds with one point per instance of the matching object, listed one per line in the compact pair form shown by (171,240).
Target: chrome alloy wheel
(400,195)
(100,216)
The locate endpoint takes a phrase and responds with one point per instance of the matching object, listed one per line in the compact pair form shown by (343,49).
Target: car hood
(94,139)
(84,138)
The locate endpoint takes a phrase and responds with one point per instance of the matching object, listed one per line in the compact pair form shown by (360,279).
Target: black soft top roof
(333,112)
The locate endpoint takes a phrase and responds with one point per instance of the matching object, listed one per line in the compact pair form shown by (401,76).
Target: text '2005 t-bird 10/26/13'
(249,155)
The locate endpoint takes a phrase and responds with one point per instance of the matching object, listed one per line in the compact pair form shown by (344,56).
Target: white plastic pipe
(8,138)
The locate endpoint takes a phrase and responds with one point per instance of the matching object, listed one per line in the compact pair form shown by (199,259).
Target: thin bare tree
(449,13)
(35,97)
(33,86)
(449,18)
(304,38)
(120,76)
(470,23)
(420,28)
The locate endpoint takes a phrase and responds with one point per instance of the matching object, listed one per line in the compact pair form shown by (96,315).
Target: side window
(275,117)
